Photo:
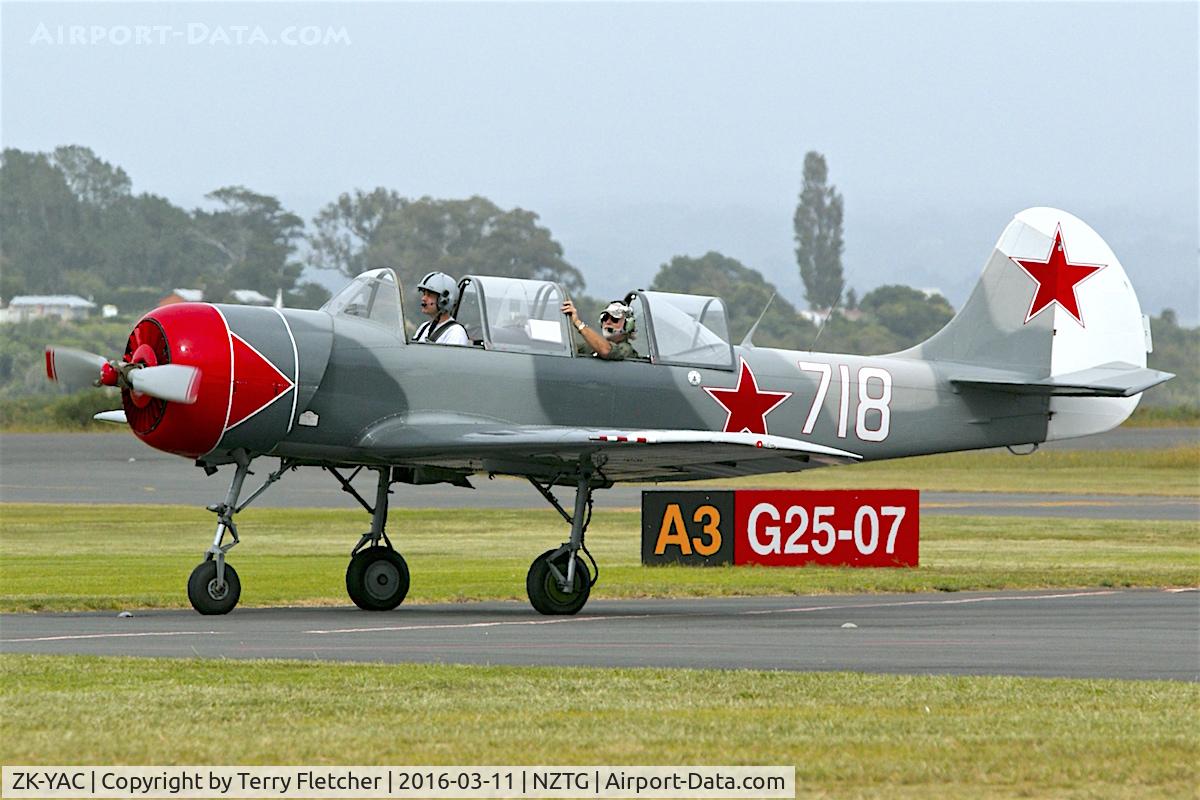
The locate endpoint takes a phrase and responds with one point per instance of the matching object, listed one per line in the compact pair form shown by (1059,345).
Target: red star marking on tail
(1057,279)
(746,406)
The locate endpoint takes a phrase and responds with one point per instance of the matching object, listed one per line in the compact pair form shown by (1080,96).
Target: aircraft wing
(621,455)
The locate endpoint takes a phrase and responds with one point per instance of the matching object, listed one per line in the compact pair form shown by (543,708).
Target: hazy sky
(642,131)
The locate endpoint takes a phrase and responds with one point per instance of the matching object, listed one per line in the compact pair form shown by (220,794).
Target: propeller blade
(73,368)
(111,416)
(175,383)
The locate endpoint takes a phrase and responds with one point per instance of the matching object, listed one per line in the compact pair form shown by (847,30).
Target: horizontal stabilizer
(1116,379)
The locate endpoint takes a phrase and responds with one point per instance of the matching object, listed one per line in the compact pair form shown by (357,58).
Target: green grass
(1181,416)
(846,734)
(86,557)
(1172,471)
(60,413)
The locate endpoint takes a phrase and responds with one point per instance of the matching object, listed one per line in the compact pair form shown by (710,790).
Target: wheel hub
(381,578)
(556,590)
(217,591)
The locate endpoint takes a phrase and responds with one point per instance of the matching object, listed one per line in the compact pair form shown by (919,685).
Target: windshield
(690,329)
(373,296)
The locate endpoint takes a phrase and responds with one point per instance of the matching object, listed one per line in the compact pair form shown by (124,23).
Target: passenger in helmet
(439,292)
(612,343)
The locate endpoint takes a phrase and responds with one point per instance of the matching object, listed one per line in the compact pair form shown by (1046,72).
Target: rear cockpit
(524,316)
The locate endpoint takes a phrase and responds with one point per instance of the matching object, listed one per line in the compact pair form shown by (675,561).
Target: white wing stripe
(763,441)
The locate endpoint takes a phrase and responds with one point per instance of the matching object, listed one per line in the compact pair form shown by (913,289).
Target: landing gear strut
(558,581)
(377,577)
(214,586)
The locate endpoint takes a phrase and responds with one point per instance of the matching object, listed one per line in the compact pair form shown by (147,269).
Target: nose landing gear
(214,587)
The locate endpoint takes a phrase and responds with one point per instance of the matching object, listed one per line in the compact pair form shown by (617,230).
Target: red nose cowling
(195,335)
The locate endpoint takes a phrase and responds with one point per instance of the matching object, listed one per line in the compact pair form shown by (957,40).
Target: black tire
(546,596)
(203,592)
(377,579)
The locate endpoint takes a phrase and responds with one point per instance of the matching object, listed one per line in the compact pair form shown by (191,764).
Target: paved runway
(1095,633)
(117,468)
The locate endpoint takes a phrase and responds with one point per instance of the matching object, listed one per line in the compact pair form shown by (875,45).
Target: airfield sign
(782,528)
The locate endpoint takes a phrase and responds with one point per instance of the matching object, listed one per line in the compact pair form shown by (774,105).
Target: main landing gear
(377,578)
(558,581)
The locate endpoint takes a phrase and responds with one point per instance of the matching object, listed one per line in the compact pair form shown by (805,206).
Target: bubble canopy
(688,330)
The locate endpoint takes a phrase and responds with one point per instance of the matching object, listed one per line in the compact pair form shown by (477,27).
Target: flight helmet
(442,285)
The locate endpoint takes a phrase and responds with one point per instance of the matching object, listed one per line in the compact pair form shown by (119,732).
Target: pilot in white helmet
(439,292)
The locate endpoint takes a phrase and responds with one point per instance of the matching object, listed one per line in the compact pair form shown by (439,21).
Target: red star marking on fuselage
(746,406)
(1057,279)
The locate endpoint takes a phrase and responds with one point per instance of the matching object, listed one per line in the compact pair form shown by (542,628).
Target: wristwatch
(580,325)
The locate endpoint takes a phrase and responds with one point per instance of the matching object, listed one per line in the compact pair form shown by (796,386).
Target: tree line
(72,224)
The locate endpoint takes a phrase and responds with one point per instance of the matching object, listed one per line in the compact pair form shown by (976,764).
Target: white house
(25,307)
(249,297)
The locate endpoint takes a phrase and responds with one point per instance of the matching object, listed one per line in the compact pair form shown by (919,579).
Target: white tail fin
(1053,313)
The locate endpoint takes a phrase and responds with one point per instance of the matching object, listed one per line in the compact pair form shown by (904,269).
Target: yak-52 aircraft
(1051,344)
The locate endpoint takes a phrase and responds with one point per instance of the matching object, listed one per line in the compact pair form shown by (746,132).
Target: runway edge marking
(108,636)
(461,625)
(957,601)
